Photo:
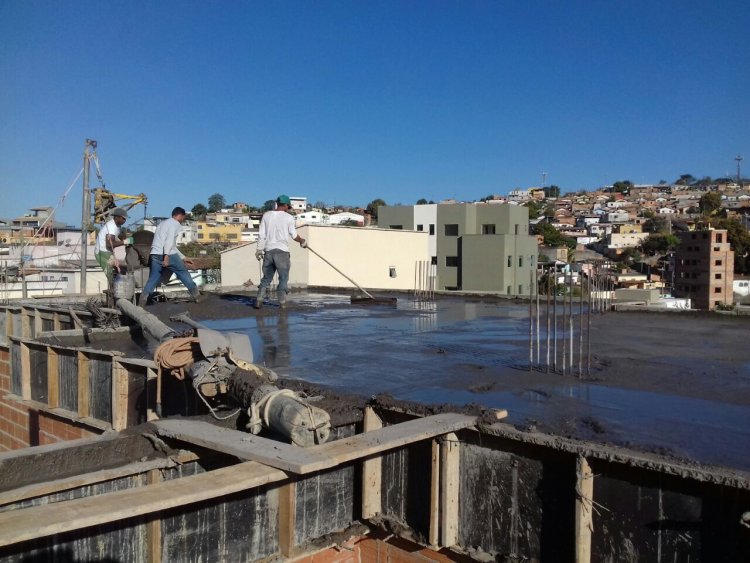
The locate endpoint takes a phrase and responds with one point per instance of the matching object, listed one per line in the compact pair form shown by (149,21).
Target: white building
(338,218)
(299,204)
(312,218)
(360,253)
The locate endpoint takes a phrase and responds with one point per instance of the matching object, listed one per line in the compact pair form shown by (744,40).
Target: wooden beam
(119,396)
(53,378)
(449,484)
(584,522)
(58,485)
(25,371)
(372,470)
(84,364)
(25,323)
(153,527)
(315,458)
(40,521)
(37,323)
(287,517)
(434,533)
(56,323)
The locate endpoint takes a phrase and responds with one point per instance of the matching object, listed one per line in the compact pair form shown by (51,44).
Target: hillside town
(641,233)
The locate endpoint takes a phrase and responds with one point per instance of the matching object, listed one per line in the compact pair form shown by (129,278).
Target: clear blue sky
(346,102)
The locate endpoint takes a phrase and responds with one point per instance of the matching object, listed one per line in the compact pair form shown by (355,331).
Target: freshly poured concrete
(677,384)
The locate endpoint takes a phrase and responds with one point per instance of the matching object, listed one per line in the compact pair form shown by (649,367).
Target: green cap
(283,200)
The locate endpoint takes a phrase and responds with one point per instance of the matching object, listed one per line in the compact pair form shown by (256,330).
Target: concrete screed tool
(367,298)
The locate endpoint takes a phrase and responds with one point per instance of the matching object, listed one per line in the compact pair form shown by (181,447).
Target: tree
(321,205)
(216,203)
(372,207)
(552,191)
(704,182)
(553,237)
(739,240)
(268,205)
(656,224)
(660,243)
(535,208)
(622,186)
(710,203)
(421,201)
(199,211)
(685,180)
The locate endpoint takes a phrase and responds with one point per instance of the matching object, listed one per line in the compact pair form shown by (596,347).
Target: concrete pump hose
(177,354)
(256,420)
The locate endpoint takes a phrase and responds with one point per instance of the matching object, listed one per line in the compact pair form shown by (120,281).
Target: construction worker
(108,239)
(276,228)
(166,256)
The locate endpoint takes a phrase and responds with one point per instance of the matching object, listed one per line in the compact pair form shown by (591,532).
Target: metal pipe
(580,328)
(588,333)
(548,320)
(531,327)
(536,290)
(570,323)
(554,320)
(85,215)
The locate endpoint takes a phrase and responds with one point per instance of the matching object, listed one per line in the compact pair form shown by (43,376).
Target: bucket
(124,286)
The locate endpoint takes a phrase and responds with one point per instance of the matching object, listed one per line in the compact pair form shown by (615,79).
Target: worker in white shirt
(109,238)
(166,256)
(276,228)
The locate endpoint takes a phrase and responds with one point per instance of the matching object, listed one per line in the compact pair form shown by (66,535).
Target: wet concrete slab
(674,384)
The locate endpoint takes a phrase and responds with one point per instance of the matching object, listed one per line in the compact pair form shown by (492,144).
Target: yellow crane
(105,201)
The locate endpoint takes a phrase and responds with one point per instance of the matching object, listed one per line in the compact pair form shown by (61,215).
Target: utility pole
(88,151)
(739,159)
(544,180)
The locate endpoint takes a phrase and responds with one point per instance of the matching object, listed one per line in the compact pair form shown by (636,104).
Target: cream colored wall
(363,254)
(238,264)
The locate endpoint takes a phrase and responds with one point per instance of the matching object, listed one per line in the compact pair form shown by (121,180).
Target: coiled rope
(177,354)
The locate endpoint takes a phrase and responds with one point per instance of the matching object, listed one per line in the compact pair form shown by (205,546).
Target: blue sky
(346,102)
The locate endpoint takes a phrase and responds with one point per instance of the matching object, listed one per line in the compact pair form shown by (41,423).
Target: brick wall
(22,425)
(379,547)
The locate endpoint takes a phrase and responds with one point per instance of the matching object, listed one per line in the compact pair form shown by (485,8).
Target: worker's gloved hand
(129,241)
(303,243)
(259,255)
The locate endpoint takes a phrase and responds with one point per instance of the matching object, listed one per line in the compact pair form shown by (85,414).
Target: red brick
(4,354)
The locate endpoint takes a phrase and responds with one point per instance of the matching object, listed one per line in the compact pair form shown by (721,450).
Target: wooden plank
(287,517)
(53,378)
(153,528)
(315,458)
(46,520)
(84,364)
(58,485)
(25,323)
(56,324)
(25,371)
(584,519)
(388,438)
(37,323)
(233,442)
(449,484)
(119,396)
(434,533)
(372,470)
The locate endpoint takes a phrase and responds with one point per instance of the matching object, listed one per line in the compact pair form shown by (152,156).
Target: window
(520,261)
(420,227)
(510,261)
(451,230)
(717,290)
(200,235)
(451,261)
(516,228)
(705,236)
(719,237)
(531,260)
(509,291)
(718,263)
(433,261)
(717,276)
(397,227)
(488,229)
(432,229)
(231,236)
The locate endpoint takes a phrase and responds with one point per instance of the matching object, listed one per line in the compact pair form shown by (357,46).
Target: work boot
(282,300)
(143,299)
(259,298)
(195,294)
